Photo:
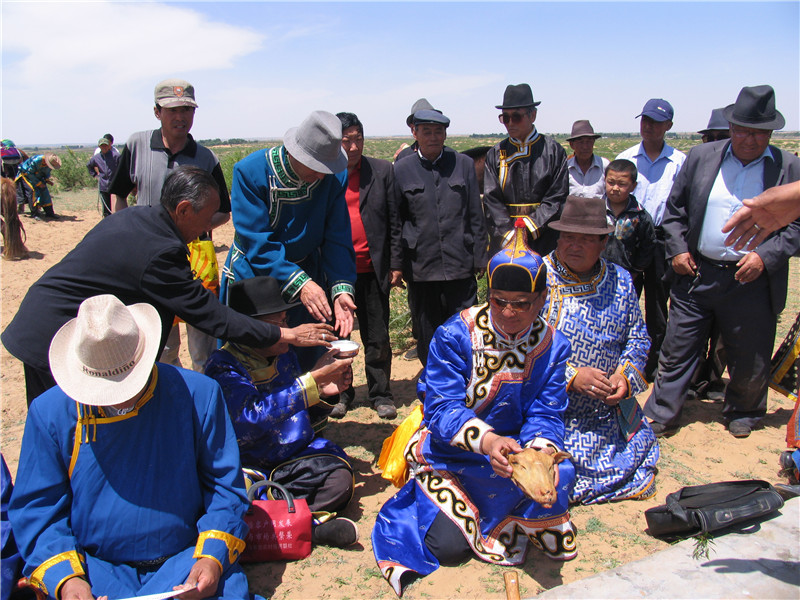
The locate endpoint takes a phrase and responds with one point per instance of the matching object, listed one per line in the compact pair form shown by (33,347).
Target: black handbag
(702,509)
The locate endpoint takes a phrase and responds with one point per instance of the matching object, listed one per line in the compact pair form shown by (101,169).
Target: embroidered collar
(284,184)
(527,141)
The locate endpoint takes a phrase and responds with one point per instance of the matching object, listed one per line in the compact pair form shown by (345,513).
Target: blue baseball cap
(657,109)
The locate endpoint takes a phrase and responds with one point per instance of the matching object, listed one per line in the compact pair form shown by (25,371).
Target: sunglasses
(515,118)
(515,306)
(715,136)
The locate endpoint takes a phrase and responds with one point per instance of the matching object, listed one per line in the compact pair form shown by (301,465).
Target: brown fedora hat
(581,129)
(583,215)
(755,108)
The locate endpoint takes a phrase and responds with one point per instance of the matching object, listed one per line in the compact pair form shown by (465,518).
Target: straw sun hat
(104,356)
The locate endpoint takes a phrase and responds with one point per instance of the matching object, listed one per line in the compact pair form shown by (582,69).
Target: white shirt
(655,177)
(591,184)
(734,183)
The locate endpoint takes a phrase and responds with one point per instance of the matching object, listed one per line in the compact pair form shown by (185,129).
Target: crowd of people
(552,360)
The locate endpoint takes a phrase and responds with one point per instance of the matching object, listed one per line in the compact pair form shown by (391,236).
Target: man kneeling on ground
(268,400)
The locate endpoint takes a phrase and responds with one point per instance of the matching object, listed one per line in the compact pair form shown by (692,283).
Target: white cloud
(63,58)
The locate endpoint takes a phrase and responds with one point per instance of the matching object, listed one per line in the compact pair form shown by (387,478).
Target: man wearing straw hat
(132,483)
(743,291)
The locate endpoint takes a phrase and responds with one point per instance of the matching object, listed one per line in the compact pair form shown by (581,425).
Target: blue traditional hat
(517,268)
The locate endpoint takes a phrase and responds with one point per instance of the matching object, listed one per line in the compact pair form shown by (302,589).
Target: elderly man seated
(268,399)
(593,303)
(494,383)
(131,482)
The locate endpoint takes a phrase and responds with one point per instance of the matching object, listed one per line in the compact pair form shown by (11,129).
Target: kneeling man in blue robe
(494,384)
(129,470)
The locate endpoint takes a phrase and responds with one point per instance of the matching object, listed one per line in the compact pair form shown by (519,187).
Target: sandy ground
(609,535)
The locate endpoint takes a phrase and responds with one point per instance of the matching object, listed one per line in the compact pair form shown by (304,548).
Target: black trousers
(747,325)
(373,323)
(437,301)
(656,296)
(37,382)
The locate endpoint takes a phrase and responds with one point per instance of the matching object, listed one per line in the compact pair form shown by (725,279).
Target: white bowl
(346,348)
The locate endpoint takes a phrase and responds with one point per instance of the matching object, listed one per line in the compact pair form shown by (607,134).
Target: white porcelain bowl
(346,348)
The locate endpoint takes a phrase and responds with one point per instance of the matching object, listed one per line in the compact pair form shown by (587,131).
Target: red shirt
(363,260)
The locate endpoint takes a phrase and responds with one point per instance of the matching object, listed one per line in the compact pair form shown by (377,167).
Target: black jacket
(443,230)
(375,195)
(137,255)
(686,210)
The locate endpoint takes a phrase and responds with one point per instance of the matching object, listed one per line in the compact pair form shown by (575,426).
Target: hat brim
(777,123)
(558,226)
(502,106)
(271,310)
(67,368)
(173,102)
(655,116)
(328,167)
(583,135)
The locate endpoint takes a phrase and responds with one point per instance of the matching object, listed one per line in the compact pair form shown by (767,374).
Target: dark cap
(421,104)
(657,109)
(430,116)
(257,296)
(717,122)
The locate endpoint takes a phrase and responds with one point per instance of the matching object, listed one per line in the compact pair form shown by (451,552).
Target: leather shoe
(386,410)
(739,429)
(338,532)
(339,410)
(662,430)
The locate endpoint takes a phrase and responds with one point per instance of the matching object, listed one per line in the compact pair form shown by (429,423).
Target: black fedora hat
(518,96)
(257,296)
(583,215)
(755,108)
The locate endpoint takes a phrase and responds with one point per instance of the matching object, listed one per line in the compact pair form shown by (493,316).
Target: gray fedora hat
(317,143)
(518,96)
(717,122)
(581,129)
(421,104)
(583,215)
(755,108)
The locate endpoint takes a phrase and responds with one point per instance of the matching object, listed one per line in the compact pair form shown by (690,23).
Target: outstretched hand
(343,309)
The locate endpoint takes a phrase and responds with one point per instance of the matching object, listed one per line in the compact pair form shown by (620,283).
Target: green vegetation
(73,173)
(703,546)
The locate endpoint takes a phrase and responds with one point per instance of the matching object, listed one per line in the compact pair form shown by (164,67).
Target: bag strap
(253,489)
(725,491)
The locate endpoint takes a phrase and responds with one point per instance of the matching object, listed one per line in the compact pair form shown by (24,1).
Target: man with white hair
(132,483)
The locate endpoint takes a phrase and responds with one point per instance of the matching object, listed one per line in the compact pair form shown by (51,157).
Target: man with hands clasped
(594,304)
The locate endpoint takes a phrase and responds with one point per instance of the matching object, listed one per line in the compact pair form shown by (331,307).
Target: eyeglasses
(515,306)
(515,118)
(758,134)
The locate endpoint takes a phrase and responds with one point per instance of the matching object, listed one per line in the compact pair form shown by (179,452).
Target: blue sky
(74,70)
